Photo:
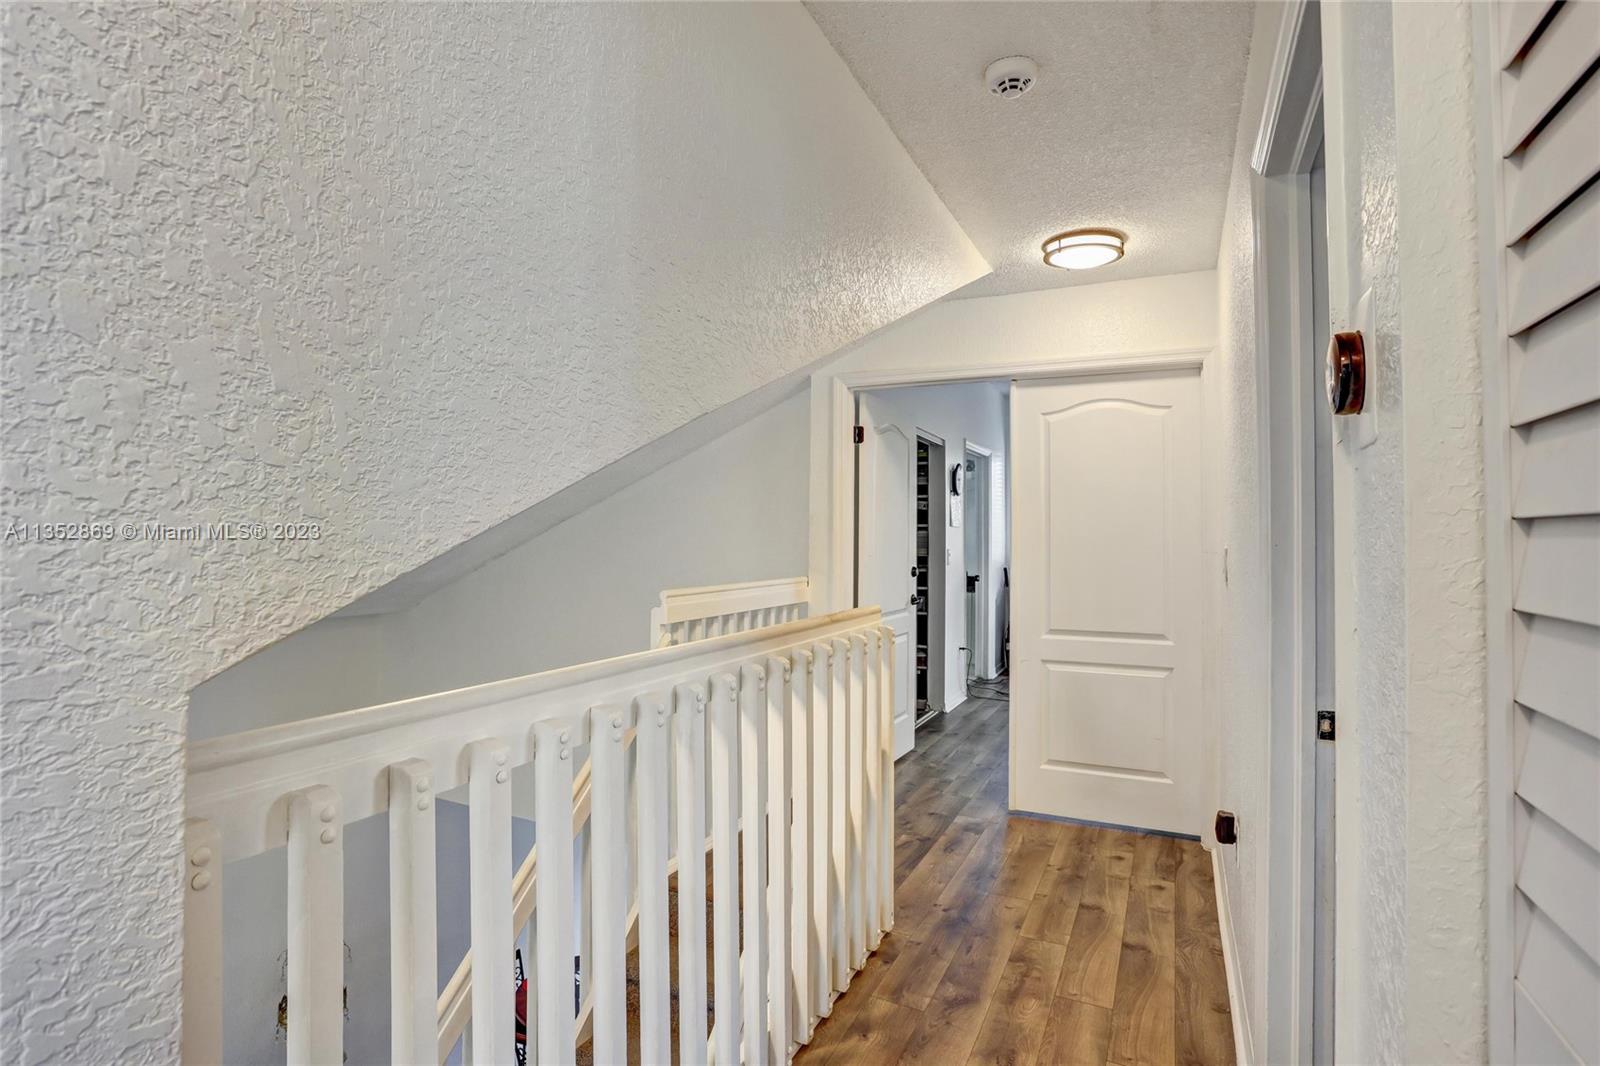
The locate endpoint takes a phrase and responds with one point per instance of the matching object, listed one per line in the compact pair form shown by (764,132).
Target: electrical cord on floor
(997,689)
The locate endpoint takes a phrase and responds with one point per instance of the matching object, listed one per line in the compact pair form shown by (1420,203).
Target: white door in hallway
(884,532)
(1106,708)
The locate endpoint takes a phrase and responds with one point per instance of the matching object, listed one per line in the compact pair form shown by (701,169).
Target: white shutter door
(1547,373)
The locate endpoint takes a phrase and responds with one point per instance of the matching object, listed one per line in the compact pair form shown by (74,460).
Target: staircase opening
(684,850)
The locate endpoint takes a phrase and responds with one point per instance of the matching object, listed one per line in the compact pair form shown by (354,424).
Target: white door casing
(885,534)
(1106,713)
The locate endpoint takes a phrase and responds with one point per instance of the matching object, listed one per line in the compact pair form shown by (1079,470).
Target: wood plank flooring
(1021,941)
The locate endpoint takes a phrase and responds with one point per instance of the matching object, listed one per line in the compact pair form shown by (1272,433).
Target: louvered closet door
(1548,132)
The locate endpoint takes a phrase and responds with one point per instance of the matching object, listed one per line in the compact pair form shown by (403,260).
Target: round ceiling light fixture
(1084,249)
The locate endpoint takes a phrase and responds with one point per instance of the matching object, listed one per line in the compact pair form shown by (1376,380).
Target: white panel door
(1105,713)
(885,532)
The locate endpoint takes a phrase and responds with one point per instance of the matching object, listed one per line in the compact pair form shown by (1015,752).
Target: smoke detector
(1010,77)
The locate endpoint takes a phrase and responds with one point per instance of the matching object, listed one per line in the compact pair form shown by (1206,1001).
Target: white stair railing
(789,723)
(690,614)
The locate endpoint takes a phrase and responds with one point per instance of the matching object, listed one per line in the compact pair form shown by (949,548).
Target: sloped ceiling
(1129,125)
(388,272)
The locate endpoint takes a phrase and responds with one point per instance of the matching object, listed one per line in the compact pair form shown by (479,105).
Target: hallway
(1025,941)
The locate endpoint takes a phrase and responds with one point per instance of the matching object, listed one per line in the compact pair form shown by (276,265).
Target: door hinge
(860,434)
(1325,729)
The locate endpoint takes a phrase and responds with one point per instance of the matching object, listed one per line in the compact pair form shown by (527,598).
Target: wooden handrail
(758,603)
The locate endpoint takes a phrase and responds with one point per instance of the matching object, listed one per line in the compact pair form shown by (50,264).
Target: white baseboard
(1238,1005)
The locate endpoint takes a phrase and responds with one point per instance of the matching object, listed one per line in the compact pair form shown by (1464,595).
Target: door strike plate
(1325,729)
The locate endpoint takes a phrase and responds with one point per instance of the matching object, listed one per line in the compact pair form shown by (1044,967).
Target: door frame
(833,489)
(834,589)
(1287,142)
(983,620)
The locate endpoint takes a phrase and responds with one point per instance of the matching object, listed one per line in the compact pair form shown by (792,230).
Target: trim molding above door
(832,586)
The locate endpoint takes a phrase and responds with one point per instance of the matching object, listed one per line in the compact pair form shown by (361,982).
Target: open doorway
(1105,723)
(920,534)
(1106,608)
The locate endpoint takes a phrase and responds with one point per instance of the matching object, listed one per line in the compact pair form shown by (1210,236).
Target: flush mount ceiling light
(1084,249)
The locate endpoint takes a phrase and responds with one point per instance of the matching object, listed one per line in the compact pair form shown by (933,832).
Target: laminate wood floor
(1020,941)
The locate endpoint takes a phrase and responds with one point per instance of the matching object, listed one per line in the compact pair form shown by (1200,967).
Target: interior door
(1105,717)
(884,536)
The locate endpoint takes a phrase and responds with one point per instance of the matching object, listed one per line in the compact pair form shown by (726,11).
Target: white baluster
(630,819)
(202,944)
(689,714)
(413,942)
(489,860)
(778,877)
(653,721)
(608,911)
(753,804)
(554,741)
(822,830)
(886,677)
(582,905)
(800,843)
(840,919)
(724,728)
(316,928)
(857,880)
(873,811)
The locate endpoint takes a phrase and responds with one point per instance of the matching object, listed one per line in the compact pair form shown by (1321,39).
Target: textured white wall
(1408,540)
(734,510)
(332,665)
(1436,247)
(1369,539)
(399,270)
(1237,604)
(731,510)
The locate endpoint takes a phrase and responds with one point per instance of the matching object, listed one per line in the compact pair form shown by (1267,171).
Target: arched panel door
(1106,702)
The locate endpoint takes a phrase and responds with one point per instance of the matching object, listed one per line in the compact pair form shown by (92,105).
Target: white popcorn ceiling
(401,270)
(1130,124)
